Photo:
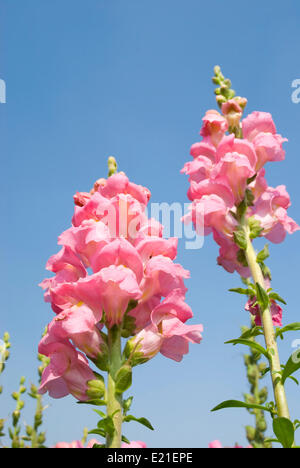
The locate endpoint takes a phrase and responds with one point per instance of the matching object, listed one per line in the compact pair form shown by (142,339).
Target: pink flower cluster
(223,168)
(114,268)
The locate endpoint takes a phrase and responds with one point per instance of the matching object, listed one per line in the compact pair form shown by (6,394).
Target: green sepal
(123,379)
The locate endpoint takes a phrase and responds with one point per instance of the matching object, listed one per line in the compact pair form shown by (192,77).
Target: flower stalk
(114,399)
(269,332)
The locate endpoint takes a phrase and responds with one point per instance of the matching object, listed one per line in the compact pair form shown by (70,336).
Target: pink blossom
(134,444)
(167,333)
(276,312)
(162,276)
(119,252)
(216,444)
(260,129)
(152,246)
(271,212)
(119,183)
(257,122)
(110,290)
(76,444)
(230,144)
(214,126)
(235,169)
(211,212)
(68,371)
(228,255)
(199,169)
(86,240)
(79,325)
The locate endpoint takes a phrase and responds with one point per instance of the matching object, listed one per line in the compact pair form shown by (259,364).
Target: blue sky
(86,79)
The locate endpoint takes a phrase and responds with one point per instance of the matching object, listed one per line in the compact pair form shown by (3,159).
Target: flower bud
(41,438)
(96,388)
(29,430)
(251,432)
(16,416)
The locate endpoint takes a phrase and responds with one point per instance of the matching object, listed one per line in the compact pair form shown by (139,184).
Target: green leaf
(107,425)
(123,379)
(240,238)
(246,292)
(93,402)
(255,228)
(291,327)
(263,255)
(294,379)
(127,404)
(239,404)
(142,421)
(276,297)
(252,344)
(124,439)
(284,430)
(100,413)
(99,432)
(262,297)
(252,333)
(292,365)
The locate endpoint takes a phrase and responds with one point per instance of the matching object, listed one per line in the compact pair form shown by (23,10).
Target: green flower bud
(29,430)
(16,416)
(96,388)
(262,425)
(251,432)
(41,438)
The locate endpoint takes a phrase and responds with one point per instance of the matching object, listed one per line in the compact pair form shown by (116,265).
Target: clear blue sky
(86,79)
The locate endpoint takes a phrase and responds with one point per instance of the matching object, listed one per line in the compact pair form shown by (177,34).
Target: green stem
(114,400)
(269,333)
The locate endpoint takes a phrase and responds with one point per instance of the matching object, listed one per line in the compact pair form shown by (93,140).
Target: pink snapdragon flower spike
(226,168)
(115,277)
(232,200)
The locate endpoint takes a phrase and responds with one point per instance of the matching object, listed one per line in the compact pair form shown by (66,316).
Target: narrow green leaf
(263,254)
(238,404)
(93,402)
(251,344)
(284,430)
(127,404)
(291,327)
(262,297)
(107,425)
(246,292)
(276,297)
(99,432)
(292,365)
(252,333)
(142,421)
